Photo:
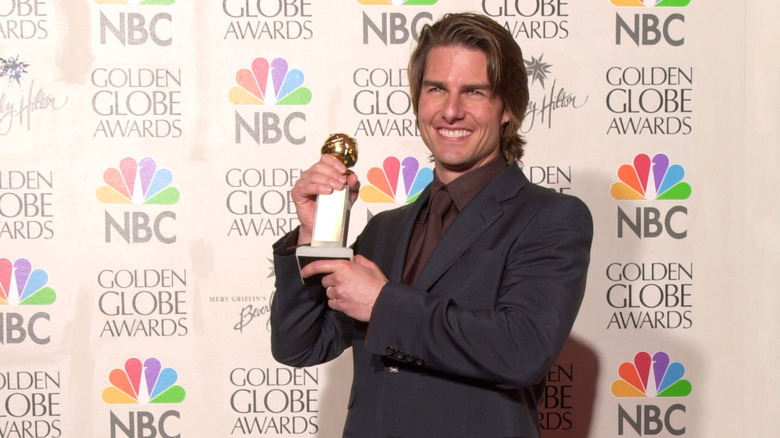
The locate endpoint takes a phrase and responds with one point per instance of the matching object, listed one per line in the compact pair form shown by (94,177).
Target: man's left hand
(351,287)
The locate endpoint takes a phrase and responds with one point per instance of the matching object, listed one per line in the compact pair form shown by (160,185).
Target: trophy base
(308,254)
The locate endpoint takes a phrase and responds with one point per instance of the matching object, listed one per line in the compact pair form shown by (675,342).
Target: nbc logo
(655,378)
(666,379)
(135,2)
(652,3)
(396,181)
(138,182)
(134,28)
(650,179)
(22,285)
(143,382)
(396,27)
(649,29)
(635,180)
(397,2)
(269,84)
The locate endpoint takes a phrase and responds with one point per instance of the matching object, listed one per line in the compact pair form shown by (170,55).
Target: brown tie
(432,230)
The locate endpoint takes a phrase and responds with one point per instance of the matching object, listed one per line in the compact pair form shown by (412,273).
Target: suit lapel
(471,223)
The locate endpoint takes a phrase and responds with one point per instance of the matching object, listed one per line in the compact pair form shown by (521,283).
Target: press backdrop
(148,150)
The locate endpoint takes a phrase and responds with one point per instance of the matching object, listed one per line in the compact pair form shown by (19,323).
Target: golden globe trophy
(331,217)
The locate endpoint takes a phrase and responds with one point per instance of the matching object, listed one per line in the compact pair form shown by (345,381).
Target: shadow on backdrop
(567,407)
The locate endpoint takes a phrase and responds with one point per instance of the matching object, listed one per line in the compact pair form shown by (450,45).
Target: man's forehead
(440,60)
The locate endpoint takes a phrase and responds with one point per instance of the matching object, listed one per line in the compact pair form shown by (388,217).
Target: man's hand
(322,178)
(351,287)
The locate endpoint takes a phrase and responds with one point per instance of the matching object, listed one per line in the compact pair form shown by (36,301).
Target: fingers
(333,302)
(354,186)
(325,176)
(324,266)
(329,172)
(351,288)
(320,179)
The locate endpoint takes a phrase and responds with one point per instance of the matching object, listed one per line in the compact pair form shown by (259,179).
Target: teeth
(453,133)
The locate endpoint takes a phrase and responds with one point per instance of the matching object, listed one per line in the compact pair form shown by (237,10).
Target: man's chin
(453,166)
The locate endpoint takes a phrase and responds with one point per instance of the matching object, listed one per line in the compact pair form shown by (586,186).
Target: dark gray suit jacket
(465,350)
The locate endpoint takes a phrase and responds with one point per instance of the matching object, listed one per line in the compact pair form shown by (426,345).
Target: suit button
(390,351)
(419,362)
(393,369)
(409,358)
(400,355)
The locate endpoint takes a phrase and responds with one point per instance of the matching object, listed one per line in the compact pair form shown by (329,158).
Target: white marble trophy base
(308,254)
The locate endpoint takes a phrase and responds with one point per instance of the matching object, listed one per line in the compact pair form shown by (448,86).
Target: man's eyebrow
(484,86)
(432,83)
(467,87)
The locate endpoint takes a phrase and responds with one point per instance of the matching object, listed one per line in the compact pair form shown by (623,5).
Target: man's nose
(453,108)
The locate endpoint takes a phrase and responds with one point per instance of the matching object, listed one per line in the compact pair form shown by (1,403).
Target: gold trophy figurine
(331,217)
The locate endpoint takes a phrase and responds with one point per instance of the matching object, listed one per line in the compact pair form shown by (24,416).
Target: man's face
(460,118)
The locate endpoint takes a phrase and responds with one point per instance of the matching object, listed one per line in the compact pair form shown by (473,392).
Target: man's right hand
(323,177)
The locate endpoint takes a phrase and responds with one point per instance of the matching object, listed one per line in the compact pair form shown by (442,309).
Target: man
(451,337)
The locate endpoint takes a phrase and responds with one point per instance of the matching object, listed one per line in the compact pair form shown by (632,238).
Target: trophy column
(331,217)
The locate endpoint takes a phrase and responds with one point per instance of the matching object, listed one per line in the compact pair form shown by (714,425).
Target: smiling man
(457,305)
(459,115)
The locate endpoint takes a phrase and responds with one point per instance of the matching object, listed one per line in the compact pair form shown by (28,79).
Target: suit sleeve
(304,330)
(513,341)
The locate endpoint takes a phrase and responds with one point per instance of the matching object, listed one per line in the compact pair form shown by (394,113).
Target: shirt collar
(465,187)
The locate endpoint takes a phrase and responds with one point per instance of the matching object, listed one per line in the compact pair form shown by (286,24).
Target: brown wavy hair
(506,67)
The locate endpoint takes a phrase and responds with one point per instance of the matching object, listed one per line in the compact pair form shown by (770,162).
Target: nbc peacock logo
(20,284)
(637,182)
(396,181)
(665,380)
(397,2)
(270,83)
(136,2)
(142,383)
(138,182)
(652,3)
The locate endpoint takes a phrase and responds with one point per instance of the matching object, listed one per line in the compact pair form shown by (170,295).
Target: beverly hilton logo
(537,69)
(638,182)
(33,100)
(651,3)
(142,383)
(20,284)
(13,68)
(269,84)
(138,183)
(396,181)
(554,98)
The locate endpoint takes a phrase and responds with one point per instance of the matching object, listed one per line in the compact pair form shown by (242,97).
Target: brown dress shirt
(461,191)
